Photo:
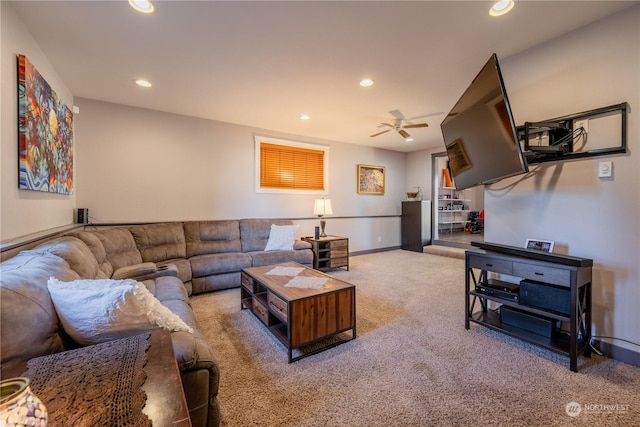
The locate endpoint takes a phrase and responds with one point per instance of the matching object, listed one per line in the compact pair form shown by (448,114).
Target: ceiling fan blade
(385,124)
(417,125)
(426,115)
(404,133)
(397,114)
(379,133)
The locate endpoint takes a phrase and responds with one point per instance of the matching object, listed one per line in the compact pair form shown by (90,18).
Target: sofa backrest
(30,325)
(75,252)
(211,237)
(255,232)
(114,248)
(160,242)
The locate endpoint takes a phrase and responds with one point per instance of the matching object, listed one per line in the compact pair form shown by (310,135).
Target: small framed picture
(371,179)
(539,245)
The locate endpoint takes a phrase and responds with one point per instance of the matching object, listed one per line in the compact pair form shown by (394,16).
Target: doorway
(458,215)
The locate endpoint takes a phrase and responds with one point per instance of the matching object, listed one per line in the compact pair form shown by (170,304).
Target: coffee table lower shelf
(305,321)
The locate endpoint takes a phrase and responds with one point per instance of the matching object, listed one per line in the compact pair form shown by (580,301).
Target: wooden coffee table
(316,318)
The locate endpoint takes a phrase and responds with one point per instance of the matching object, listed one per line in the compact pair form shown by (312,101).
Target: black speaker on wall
(83,215)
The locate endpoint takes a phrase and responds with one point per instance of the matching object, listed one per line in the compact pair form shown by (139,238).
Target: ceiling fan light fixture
(500,8)
(143,6)
(408,139)
(143,83)
(366,82)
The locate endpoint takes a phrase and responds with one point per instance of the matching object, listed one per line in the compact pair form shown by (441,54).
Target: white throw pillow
(281,237)
(94,311)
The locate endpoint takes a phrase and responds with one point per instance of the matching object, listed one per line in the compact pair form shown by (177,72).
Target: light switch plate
(605,169)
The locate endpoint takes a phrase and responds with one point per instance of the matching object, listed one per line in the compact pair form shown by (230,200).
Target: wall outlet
(379,239)
(584,123)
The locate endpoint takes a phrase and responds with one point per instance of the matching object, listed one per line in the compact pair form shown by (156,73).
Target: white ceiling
(263,64)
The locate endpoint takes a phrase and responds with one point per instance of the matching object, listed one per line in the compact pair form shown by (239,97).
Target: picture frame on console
(540,245)
(370,179)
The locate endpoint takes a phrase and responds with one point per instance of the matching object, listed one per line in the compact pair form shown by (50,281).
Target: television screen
(479,133)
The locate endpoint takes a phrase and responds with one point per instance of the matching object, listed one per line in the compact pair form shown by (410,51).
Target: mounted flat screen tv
(479,133)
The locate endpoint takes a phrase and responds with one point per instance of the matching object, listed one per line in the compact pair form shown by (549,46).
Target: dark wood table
(299,317)
(166,404)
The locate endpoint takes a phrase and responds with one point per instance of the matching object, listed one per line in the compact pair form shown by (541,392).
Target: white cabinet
(453,210)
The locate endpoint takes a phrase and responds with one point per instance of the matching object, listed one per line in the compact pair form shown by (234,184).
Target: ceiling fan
(400,123)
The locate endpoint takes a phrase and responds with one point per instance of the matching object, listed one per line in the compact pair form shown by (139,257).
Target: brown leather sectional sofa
(174,260)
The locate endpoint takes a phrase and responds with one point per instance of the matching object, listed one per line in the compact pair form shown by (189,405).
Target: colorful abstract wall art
(45,134)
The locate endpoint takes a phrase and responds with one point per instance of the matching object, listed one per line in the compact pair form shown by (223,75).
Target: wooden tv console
(560,271)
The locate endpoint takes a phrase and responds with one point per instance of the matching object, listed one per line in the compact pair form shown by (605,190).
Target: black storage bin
(529,322)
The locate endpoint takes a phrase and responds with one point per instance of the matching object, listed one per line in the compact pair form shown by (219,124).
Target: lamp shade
(322,207)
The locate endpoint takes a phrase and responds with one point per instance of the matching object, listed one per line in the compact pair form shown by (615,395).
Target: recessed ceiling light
(143,83)
(366,82)
(304,117)
(500,8)
(143,6)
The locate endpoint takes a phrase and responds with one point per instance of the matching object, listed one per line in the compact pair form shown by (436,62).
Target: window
(290,167)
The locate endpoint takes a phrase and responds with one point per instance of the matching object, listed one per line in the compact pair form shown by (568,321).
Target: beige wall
(22,211)
(137,165)
(566,201)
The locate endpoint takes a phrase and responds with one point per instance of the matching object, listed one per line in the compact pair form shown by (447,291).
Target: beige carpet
(412,364)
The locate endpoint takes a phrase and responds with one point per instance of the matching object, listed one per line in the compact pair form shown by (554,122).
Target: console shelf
(546,273)
(558,343)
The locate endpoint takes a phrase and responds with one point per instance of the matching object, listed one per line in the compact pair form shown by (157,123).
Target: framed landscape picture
(371,179)
(45,134)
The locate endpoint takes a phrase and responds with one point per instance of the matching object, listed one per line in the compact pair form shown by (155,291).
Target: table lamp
(321,208)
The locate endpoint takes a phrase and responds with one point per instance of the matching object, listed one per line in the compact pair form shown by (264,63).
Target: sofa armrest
(145,271)
(301,244)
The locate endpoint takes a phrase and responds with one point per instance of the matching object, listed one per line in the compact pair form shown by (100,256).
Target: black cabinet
(415,224)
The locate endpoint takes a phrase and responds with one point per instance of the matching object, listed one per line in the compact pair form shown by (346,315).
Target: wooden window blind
(291,168)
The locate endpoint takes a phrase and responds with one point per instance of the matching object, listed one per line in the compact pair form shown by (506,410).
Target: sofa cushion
(255,232)
(274,257)
(160,242)
(30,325)
(212,237)
(281,237)
(94,311)
(206,265)
(119,246)
(183,266)
(95,245)
(75,252)
(167,288)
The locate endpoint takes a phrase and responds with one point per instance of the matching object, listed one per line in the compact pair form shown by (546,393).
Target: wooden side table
(166,404)
(329,252)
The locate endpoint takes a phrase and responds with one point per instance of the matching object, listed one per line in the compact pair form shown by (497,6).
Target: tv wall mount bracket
(561,135)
